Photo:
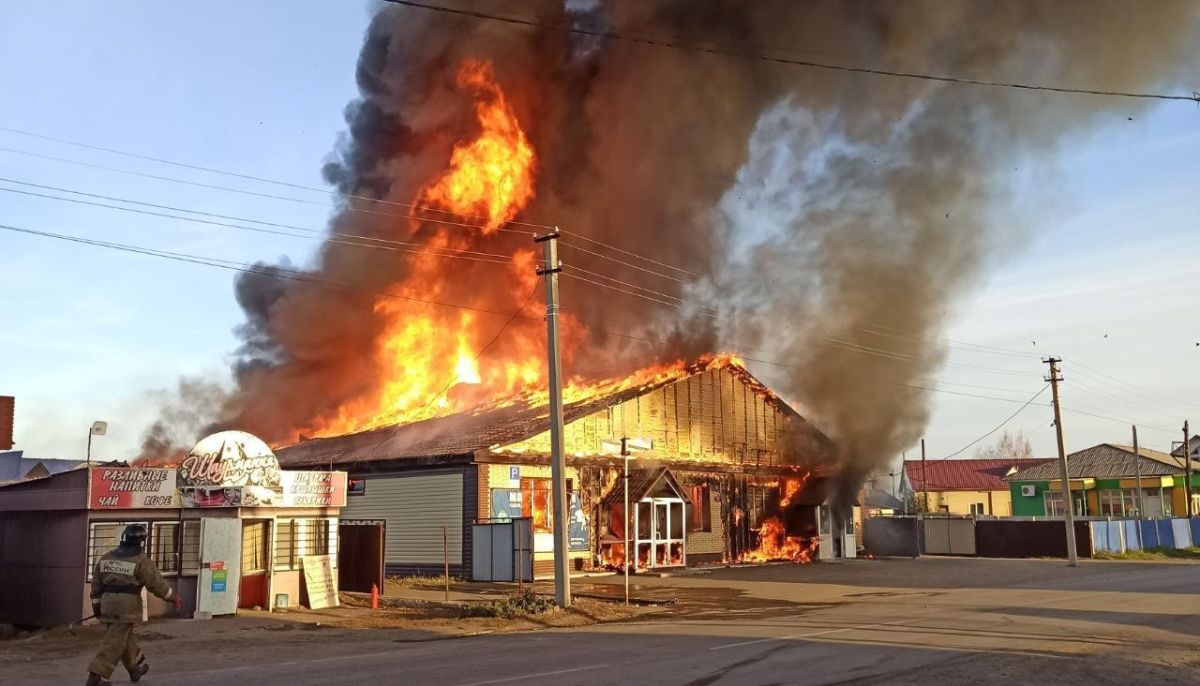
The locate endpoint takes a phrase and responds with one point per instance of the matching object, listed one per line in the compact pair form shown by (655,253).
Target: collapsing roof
(493,427)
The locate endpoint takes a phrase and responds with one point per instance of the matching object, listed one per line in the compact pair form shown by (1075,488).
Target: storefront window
(103,537)
(191,547)
(284,543)
(312,537)
(296,538)
(536,503)
(1054,504)
(1118,502)
(163,547)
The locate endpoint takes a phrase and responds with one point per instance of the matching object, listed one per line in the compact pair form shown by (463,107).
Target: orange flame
(427,359)
(426,356)
(774,541)
(492,175)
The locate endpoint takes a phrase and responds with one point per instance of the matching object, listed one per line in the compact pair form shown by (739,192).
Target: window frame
(529,498)
(93,554)
(189,553)
(1056,499)
(290,523)
(152,547)
(699,515)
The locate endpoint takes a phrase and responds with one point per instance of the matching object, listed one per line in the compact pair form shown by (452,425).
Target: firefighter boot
(139,670)
(95,679)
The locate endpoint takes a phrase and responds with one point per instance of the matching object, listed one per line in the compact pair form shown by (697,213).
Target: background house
(14,466)
(963,487)
(1104,484)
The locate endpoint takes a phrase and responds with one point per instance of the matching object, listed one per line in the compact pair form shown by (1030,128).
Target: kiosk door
(220,566)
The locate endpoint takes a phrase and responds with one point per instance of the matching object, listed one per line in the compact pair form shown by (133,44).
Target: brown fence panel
(1027,538)
(892,536)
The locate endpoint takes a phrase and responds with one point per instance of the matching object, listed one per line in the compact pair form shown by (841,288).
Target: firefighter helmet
(134,535)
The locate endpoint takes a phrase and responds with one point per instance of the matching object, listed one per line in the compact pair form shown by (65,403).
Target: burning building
(823,218)
(721,469)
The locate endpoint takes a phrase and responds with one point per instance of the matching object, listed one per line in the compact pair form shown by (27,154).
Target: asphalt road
(927,621)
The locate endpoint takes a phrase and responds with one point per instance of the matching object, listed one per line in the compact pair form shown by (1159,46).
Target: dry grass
(500,616)
(433,582)
(1151,554)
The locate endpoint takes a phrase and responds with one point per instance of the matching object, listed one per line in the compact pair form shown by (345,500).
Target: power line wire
(627,284)
(679,45)
(230,189)
(251,177)
(1126,387)
(999,426)
(491,258)
(623,252)
(621,262)
(231,265)
(294,275)
(317,232)
(704,311)
(348,206)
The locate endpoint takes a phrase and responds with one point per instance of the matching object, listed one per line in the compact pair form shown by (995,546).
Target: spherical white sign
(230,459)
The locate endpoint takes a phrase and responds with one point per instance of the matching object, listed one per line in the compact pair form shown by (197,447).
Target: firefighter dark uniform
(117,582)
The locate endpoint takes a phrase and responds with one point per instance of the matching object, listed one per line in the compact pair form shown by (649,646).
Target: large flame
(492,176)
(774,541)
(428,358)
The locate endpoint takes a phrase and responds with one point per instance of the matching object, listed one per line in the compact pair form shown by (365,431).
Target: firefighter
(117,582)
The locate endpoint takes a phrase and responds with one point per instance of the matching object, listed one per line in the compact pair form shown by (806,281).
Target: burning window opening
(788,530)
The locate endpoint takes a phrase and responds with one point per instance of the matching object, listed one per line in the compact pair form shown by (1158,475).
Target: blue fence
(1121,535)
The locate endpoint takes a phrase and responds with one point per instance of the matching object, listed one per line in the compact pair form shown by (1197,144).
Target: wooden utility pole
(626,557)
(924,480)
(1068,502)
(1137,469)
(1187,468)
(558,465)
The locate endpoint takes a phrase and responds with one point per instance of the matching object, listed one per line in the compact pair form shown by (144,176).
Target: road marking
(534,676)
(827,632)
(749,643)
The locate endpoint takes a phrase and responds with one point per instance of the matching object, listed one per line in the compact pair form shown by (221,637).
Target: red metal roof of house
(964,475)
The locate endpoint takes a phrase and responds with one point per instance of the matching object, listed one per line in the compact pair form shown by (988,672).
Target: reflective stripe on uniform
(111,566)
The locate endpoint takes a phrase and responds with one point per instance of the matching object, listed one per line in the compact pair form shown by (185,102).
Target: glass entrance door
(667,533)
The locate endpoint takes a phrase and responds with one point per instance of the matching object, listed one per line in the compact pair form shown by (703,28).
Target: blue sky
(260,88)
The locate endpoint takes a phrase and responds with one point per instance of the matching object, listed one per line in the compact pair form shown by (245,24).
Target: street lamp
(98,429)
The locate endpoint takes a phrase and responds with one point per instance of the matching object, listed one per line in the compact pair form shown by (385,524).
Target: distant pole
(625,514)
(446,559)
(558,465)
(1187,466)
(89,448)
(1068,503)
(1137,469)
(924,479)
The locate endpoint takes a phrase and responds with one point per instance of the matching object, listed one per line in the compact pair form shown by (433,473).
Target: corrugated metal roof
(1106,461)
(467,433)
(14,466)
(964,475)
